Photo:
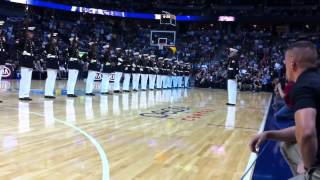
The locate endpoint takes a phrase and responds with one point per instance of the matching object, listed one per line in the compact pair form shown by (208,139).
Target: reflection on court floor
(197,136)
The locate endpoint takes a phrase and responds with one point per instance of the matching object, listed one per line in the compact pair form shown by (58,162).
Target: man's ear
(294,65)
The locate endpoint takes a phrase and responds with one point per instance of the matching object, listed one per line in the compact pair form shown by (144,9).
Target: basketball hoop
(162,42)
(161,39)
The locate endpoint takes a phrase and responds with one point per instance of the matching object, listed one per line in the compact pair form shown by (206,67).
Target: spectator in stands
(257,85)
(285,113)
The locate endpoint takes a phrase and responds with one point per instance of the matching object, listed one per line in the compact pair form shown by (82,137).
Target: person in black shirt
(52,59)
(300,145)
(257,85)
(3,50)
(93,68)
(233,70)
(27,64)
(106,70)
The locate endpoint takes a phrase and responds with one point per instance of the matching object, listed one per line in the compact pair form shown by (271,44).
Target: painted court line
(102,154)
(253,156)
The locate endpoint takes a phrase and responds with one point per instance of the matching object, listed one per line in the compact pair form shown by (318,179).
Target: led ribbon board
(40,3)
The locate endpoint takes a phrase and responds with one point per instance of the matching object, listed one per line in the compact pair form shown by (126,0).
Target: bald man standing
(300,143)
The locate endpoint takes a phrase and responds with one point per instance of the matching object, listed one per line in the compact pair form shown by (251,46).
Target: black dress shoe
(229,104)
(104,93)
(72,95)
(90,94)
(49,97)
(25,99)
(135,90)
(116,91)
(126,91)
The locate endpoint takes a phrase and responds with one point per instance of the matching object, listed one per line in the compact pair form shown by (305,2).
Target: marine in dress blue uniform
(233,71)
(26,63)
(52,61)
(73,66)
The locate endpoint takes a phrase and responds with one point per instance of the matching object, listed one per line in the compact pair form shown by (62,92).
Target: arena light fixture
(226,18)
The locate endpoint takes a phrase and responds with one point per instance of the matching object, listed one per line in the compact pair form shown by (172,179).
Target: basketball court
(161,134)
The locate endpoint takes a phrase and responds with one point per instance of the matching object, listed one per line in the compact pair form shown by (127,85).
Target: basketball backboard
(162,38)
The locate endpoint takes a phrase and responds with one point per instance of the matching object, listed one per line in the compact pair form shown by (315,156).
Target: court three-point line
(97,145)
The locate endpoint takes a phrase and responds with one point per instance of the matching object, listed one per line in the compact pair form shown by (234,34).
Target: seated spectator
(285,113)
(247,83)
(257,85)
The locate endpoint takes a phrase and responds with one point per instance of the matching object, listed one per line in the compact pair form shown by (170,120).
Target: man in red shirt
(285,113)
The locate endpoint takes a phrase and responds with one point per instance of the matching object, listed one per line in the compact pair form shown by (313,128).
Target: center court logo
(6,72)
(165,112)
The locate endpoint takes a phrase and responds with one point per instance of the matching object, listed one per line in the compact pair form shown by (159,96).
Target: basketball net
(161,45)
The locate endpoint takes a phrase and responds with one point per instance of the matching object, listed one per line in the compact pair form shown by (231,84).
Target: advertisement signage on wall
(99,77)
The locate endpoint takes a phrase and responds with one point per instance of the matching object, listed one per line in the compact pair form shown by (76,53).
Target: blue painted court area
(270,163)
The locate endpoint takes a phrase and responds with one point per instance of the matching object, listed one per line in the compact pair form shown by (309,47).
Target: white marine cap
(31,28)
(53,35)
(105,46)
(1,23)
(72,38)
(233,50)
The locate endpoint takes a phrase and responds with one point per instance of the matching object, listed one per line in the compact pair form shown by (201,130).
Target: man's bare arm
(306,134)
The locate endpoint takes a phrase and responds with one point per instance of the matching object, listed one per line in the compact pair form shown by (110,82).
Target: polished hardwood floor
(162,134)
